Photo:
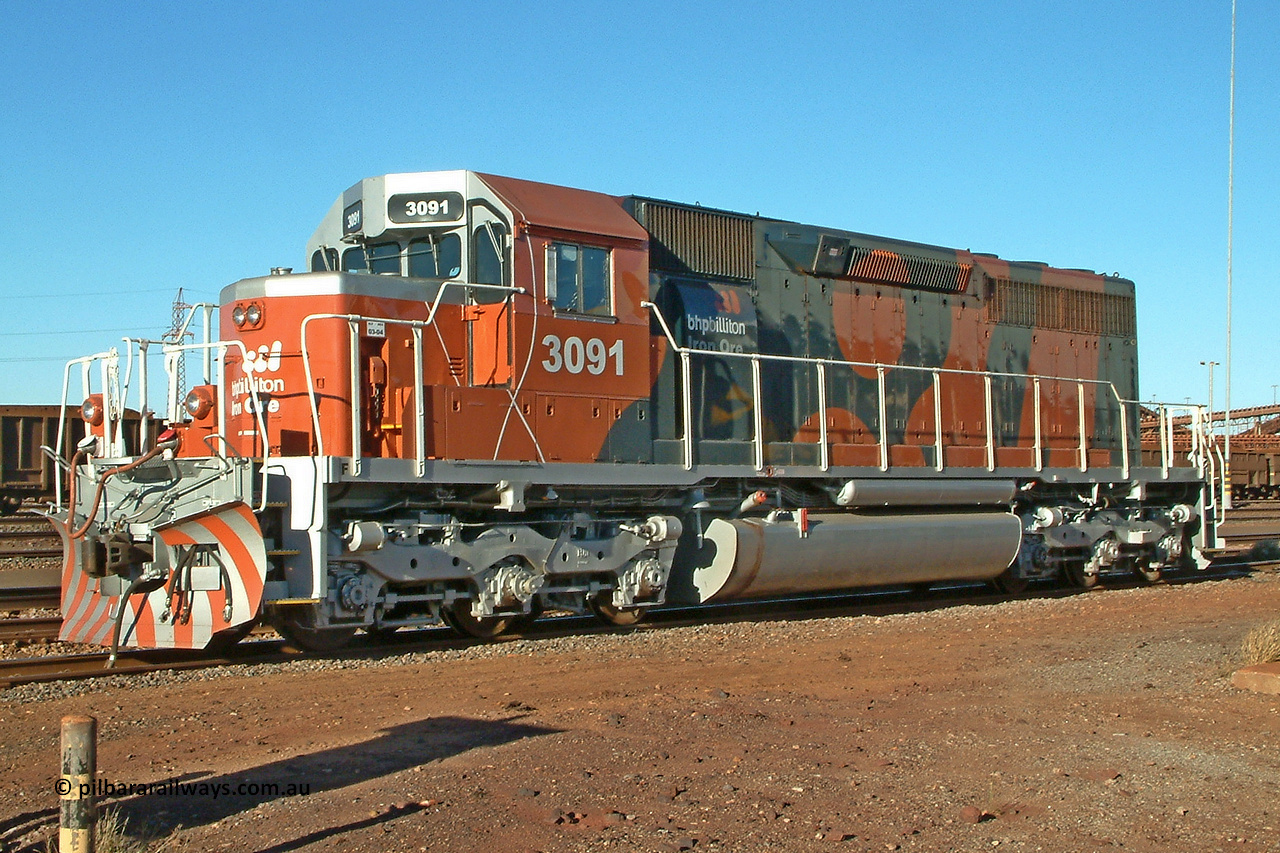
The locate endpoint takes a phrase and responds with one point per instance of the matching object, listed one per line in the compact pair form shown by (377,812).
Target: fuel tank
(752,558)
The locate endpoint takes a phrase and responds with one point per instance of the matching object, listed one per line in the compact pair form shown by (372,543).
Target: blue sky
(148,146)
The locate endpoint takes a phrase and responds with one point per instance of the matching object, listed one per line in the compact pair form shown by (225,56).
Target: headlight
(91,410)
(199,402)
(237,316)
(253,316)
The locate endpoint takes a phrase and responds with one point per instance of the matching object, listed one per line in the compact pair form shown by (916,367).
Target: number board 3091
(425,207)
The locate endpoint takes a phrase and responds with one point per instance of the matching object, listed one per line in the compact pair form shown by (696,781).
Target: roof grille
(692,240)
(880,266)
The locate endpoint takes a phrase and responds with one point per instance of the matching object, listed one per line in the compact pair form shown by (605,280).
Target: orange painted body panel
(512,379)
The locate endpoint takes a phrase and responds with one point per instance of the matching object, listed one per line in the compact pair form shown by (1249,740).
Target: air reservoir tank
(797,553)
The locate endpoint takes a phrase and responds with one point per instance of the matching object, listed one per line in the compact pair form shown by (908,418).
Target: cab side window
(579,279)
(353,260)
(324,260)
(486,253)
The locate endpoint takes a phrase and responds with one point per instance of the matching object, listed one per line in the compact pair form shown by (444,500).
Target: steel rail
(25,598)
(33,628)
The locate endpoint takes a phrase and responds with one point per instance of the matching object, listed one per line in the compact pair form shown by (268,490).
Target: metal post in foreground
(76,786)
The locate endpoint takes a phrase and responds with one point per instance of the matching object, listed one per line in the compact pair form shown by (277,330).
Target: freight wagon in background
(1254,471)
(489,397)
(27,473)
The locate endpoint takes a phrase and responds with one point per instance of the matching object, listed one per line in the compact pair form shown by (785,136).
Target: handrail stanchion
(991,427)
(1164,448)
(1124,436)
(208,353)
(686,407)
(938,464)
(884,418)
(357,450)
(144,408)
(824,452)
(1084,439)
(1039,438)
(419,406)
(757,409)
(312,396)
(108,409)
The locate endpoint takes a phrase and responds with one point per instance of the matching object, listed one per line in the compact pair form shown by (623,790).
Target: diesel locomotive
(486,398)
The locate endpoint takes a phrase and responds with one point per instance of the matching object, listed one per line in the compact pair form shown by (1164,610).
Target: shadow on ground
(198,799)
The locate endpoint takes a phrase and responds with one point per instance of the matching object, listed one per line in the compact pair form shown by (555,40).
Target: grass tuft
(112,835)
(1262,644)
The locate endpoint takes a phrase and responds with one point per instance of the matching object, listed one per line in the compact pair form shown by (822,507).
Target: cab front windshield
(435,254)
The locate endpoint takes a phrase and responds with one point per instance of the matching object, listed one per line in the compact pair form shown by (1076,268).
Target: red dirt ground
(1082,723)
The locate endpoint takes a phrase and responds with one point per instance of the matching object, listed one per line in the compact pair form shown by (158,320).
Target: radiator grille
(685,239)
(880,266)
(1020,303)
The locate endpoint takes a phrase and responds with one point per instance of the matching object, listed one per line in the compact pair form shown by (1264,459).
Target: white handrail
(114,402)
(353,321)
(686,353)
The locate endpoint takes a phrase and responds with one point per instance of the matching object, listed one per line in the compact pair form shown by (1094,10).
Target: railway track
(35,628)
(94,665)
(1249,532)
(27,588)
(30,598)
(29,536)
(878,603)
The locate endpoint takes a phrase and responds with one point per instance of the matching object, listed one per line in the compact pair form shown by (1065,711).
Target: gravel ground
(1099,720)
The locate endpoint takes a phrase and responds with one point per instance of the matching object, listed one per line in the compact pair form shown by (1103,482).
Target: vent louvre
(689,240)
(1019,303)
(880,266)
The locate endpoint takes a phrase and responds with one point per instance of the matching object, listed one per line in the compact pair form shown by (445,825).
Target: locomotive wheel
(1010,583)
(602,606)
(1076,575)
(459,618)
(1149,575)
(524,620)
(299,629)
